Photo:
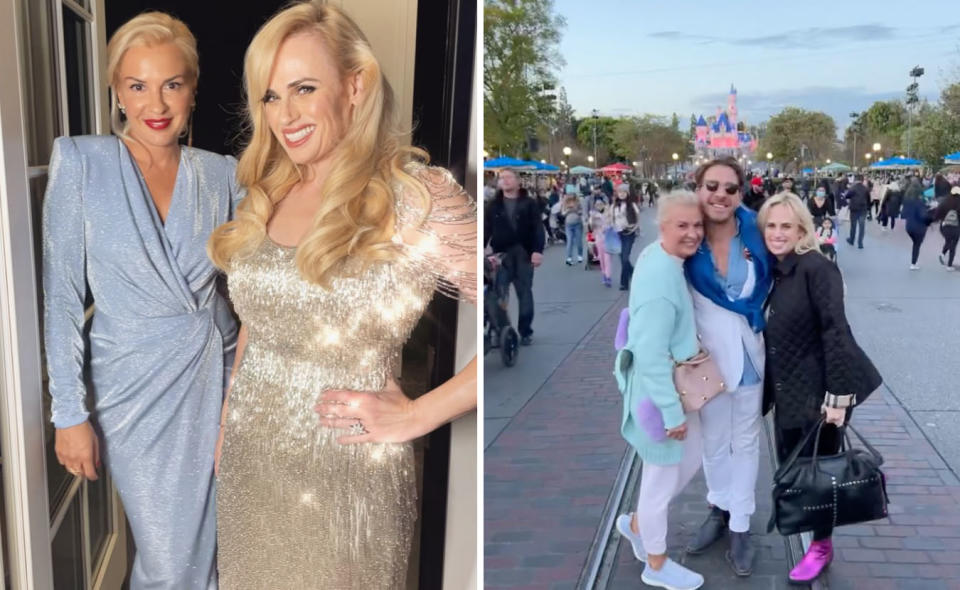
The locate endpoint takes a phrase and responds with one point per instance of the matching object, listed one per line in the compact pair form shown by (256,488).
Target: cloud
(822,36)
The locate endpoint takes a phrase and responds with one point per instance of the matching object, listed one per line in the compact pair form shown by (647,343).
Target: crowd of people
(919,200)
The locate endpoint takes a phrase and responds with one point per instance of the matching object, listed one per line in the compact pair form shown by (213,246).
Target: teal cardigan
(661,329)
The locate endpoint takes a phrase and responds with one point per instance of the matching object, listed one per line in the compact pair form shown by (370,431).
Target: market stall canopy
(807,171)
(543,168)
(581,170)
(897,163)
(616,167)
(835,167)
(504,162)
(953,158)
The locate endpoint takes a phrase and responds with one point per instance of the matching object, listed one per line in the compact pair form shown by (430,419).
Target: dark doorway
(442,95)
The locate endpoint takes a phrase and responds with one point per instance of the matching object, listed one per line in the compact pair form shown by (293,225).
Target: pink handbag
(698,380)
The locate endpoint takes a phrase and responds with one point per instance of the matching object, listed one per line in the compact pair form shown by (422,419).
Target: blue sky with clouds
(627,57)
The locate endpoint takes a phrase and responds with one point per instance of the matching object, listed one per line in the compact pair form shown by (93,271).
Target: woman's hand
(836,416)
(387,416)
(78,450)
(678,433)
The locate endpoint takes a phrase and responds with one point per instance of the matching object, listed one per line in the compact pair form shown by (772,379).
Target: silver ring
(357,428)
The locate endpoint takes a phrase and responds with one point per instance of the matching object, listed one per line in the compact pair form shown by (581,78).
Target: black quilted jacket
(810,348)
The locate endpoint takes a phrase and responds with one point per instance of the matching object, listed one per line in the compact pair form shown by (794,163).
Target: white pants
(660,483)
(731,452)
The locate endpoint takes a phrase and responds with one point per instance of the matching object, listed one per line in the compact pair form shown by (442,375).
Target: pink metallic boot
(818,557)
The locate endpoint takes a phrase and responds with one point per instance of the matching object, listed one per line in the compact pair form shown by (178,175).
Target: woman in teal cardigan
(661,329)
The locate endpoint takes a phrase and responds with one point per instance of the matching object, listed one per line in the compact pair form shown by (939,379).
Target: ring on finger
(357,428)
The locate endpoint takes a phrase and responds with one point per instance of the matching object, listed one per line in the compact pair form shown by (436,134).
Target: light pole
(769,164)
(867,157)
(675,157)
(567,151)
(856,118)
(913,98)
(590,159)
(876,148)
(596,119)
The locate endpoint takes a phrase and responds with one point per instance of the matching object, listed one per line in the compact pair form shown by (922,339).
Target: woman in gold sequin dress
(341,242)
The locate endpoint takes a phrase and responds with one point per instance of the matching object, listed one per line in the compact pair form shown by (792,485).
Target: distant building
(721,137)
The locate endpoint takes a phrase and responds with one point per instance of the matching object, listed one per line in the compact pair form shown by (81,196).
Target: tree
(935,134)
(605,127)
(950,99)
(521,54)
(792,128)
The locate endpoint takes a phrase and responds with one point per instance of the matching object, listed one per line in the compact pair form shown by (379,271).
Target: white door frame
(21,428)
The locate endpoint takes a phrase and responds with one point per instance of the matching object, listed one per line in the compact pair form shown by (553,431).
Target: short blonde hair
(147,29)
(808,241)
(674,199)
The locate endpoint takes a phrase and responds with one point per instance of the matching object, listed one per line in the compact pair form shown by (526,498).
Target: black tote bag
(817,492)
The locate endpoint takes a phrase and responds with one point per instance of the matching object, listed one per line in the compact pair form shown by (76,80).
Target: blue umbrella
(953,158)
(540,166)
(898,163)
(504,162)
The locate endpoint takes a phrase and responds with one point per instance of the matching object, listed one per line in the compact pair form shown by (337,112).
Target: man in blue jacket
(730,276)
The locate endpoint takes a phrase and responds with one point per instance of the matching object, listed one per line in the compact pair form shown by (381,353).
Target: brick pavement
(918,545)
(547,476)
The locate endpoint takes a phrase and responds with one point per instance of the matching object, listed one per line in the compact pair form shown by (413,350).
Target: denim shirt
(737,272)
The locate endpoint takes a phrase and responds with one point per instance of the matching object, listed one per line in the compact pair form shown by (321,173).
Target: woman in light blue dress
(125,220)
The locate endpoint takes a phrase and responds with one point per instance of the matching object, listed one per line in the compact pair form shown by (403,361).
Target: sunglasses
(713,186)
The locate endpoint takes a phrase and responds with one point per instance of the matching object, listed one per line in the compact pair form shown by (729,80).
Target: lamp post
(856,118)
(876,148)
(567,151)
(486,154)
(913,98)
(590,159)
(867,157)
(675,157)
(596,120)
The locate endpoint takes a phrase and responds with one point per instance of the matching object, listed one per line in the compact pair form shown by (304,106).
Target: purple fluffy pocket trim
(650,419)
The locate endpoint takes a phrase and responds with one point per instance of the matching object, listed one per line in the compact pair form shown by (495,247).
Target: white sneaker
(623,527)
(579,259)
(914,267)
(951,268)
(671,576)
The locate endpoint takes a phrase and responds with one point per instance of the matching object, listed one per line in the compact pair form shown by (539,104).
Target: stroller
(592,256)
(497,330)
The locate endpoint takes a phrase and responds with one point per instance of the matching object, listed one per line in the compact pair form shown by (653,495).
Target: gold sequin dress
(296,510)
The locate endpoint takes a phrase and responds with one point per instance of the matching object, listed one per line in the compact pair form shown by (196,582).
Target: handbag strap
(876,454)
(795,453)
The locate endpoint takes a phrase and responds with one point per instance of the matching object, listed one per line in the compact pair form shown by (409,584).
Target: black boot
(740,555)
(711,530)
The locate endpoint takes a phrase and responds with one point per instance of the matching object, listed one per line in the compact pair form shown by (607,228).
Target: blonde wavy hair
(357,213)
(808,241)
(147,29)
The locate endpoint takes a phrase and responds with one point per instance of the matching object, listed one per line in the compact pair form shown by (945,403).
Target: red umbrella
(618,167)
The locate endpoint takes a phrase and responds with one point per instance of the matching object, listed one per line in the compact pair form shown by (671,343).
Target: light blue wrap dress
(161,342)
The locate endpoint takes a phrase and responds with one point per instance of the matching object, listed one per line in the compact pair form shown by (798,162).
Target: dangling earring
(188,132)
(123,111)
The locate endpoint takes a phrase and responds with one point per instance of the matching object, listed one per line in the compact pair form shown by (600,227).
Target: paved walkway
(553,449)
